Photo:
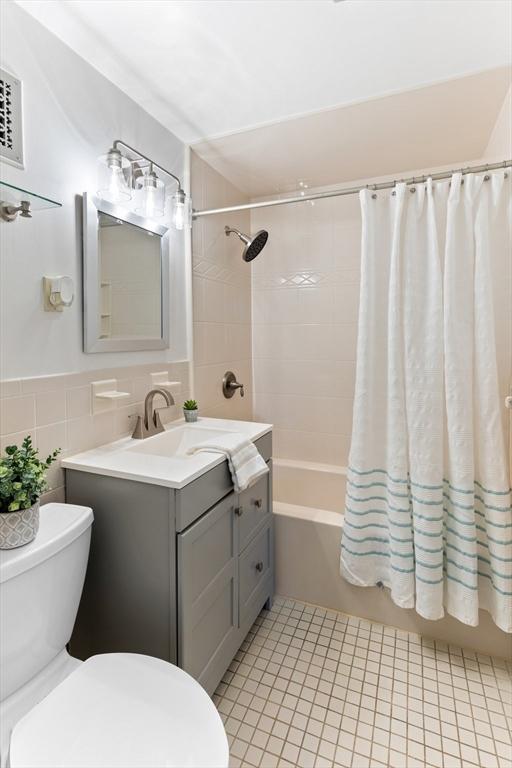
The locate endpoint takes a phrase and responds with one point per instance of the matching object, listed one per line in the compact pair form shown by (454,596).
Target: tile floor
(319,689)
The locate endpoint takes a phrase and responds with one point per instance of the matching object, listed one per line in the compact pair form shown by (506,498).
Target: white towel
(245,463)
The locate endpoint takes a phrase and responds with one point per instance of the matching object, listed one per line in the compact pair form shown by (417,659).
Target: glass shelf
(15,195)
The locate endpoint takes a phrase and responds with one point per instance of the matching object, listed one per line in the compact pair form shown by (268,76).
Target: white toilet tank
(40,588)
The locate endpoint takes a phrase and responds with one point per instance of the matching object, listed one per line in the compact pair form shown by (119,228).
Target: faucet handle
(230,385)
(138,432)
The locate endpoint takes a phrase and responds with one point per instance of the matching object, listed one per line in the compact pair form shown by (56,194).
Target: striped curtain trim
(473,555)
(448,575)
(408,481)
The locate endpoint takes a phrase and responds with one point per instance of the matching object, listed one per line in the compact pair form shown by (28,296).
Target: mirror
(126,279)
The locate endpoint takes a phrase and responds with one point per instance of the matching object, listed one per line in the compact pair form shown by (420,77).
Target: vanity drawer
(253,508)
(194,499)
(254,571)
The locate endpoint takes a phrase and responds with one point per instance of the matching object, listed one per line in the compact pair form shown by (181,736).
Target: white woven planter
(190,416)
(19,528)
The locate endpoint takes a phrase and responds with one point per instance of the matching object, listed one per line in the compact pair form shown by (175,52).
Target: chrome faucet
(151,424)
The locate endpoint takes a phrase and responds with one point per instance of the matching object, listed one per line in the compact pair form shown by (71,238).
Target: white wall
(500,141)
(71,115)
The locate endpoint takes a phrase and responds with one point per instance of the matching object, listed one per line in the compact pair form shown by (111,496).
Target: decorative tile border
(306,279)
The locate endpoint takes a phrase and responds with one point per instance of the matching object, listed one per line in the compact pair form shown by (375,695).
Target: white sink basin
(163,459)
(176,441)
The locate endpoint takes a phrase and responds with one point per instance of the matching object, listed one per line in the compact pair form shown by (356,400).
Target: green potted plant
(190,410)
(22,481)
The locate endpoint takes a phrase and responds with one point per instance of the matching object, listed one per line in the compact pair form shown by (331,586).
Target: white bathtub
(309,500)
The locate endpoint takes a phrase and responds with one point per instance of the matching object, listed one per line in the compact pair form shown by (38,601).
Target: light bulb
(151,196)
(114,177)
(117,183)
(181,210)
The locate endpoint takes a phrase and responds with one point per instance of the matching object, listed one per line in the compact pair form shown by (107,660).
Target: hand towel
(245,463)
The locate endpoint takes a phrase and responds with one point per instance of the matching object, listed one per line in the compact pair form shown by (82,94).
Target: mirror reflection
(130,280)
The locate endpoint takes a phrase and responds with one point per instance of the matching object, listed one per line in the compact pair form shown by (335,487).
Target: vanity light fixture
(181,216)
(114,177)
(151,194)
(120,176)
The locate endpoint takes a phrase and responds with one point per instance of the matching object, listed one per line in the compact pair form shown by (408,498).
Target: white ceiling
(445,124)
(209,68)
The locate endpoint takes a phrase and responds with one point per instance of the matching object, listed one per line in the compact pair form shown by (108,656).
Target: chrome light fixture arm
(140,155)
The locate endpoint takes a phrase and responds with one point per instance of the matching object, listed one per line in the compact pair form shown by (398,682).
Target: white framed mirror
(126,279)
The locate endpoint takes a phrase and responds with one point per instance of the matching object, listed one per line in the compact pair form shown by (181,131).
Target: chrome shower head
(253,244)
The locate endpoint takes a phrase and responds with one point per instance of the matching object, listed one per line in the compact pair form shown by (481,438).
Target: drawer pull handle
(258,503)
(239,511)
(259,566)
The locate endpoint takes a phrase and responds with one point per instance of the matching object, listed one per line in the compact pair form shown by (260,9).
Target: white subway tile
(50,407)
(10,388)
(17,414)
(78,402)
(50,437)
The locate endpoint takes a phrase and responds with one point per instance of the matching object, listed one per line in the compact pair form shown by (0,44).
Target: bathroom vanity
(180,564)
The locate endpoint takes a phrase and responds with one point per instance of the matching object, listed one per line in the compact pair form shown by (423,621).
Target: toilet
(118,709)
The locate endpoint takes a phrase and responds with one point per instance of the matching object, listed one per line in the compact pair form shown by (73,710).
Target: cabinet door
(253,509)
(208,594)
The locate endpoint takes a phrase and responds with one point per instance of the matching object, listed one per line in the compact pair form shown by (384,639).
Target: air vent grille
(11,133)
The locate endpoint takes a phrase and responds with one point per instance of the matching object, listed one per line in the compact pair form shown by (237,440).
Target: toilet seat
(122,710)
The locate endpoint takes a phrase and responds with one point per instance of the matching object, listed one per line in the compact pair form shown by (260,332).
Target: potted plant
(22,481)
(190,410)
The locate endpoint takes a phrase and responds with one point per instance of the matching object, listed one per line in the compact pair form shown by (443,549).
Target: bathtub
(309,500)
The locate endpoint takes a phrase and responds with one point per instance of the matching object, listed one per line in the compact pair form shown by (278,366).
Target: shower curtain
(428,510)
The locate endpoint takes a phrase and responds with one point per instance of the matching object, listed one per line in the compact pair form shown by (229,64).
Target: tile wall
(57,412)
(305,305)
(221,298)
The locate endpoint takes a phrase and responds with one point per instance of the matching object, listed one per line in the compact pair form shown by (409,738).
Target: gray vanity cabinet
(177,574)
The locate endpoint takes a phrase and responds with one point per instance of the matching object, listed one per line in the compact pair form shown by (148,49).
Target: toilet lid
(124,710)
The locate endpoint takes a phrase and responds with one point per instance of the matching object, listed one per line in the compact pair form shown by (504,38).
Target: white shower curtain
(428,496)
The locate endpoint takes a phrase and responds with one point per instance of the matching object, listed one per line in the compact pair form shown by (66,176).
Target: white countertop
(116,460)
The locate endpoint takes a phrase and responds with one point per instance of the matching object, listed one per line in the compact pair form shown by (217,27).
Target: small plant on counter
(22,481)
(190,410)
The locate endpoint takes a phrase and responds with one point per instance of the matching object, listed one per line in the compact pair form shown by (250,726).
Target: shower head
(253,244)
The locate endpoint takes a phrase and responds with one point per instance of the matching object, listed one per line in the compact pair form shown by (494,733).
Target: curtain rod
(352,190)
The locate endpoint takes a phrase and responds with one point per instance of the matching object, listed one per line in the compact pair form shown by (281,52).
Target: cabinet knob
(239,511)
(259,566)
(258,503)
